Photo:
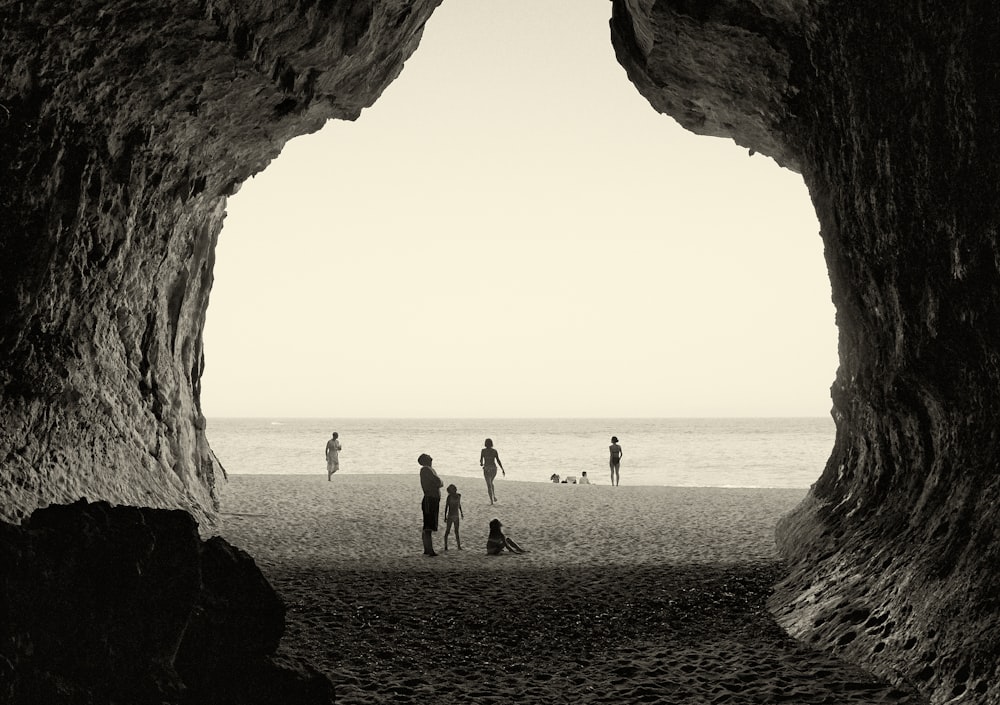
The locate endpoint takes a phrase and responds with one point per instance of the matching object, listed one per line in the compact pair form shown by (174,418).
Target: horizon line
(452,418)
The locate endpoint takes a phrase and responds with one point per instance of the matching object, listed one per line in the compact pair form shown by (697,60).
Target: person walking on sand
(489,459)
(333,449)
(431,484)
(497,541)
(452,514)
(616,460)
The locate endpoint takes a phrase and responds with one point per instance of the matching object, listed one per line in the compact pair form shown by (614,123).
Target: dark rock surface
(124,126)
(890,112)
(102,604)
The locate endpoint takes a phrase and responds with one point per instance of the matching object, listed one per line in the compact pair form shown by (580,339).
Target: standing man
(616,459)
(332,455)
(431,484)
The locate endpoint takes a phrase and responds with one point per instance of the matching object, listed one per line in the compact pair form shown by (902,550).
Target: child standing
(452,514)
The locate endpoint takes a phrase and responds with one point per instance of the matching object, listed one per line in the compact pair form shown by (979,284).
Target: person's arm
(482,457)
(461,513)
(327,451)
(501,466)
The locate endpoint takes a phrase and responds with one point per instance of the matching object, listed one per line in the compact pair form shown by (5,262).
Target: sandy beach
(627,594)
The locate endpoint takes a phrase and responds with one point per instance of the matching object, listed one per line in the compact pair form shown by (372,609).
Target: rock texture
(890,112)
(102,604)
(124,126)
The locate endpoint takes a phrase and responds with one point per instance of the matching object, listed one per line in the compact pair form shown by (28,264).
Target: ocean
(708,452)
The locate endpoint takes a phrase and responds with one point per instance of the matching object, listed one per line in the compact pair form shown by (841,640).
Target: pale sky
(512,231)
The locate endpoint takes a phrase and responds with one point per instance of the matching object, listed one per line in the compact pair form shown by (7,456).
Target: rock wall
(123,127)
(890,112)
(127,605)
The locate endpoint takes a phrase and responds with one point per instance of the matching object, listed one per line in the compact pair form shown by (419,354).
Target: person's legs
(429,507)
(458,541)
(488,475)
(447,530)
(513,547)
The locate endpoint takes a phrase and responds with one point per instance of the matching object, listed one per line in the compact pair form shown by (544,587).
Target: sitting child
(554,478)
(497,542)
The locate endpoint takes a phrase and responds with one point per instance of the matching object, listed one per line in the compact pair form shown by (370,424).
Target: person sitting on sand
(489,459)
(584,480)
(333,449)
(554,478)
(452,513)
(497,542)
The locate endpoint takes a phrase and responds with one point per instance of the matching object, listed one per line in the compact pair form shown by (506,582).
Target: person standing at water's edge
(333,449)
(431,484)
(489,459)
(616,460)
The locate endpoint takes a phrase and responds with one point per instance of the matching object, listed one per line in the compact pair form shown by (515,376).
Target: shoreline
(473,478)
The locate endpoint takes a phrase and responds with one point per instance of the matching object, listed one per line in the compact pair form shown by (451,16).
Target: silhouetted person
(497,542)
(489,459)
(431,484)
(616,459)
(333,455)
(452,515)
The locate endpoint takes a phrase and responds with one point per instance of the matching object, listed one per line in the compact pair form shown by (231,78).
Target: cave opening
(507,234)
